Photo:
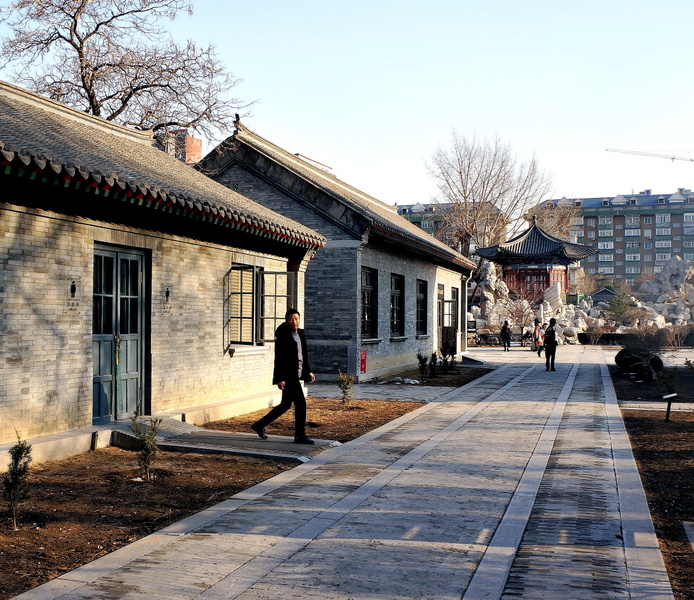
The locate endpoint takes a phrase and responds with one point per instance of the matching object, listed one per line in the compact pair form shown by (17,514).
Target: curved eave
(501,257)
(39,168)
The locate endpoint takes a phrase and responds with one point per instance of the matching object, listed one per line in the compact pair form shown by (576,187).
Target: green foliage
(146,434)
(668,380)
(346,383)
(622,309)
(15,482)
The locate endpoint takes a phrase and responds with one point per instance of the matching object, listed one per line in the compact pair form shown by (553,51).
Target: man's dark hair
(290,312)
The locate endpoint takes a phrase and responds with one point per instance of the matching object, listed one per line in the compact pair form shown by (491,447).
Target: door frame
(144,338)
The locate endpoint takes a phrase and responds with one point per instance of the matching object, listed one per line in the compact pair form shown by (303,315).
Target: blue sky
(371,88)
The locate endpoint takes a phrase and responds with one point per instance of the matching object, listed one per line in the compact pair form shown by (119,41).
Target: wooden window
(422,309)
(255,302)
(369,302)
(397,305)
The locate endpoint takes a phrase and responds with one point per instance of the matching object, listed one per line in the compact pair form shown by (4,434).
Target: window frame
(261,307)
(397,305)
(422,307)
(369,302)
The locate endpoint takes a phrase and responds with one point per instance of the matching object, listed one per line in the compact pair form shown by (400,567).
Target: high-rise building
(635,234)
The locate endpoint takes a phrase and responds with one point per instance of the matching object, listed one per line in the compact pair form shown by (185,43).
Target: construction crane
(673,158)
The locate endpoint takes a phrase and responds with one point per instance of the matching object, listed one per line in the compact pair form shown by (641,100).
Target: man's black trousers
(292,393)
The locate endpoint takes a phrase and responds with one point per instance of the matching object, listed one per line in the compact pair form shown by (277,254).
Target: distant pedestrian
(550,343)
(541,339)
(537,337)
(506,336)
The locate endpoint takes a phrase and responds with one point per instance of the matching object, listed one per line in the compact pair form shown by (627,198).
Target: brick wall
(333,280)
(46,335)
(388,355)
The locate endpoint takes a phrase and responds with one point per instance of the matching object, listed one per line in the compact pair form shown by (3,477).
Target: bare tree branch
(113,59)
(487,188)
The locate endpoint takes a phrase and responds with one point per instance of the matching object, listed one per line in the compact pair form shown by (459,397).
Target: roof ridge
(142,136)
(314,169)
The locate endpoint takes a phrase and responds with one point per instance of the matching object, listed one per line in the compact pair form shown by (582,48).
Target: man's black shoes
(260,431)
(304,440)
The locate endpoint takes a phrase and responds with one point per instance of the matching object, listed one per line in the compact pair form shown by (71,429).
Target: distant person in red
(291,368)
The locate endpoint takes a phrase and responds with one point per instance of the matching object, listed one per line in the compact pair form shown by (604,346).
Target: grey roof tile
(536,243)
(383,217)
(52,135)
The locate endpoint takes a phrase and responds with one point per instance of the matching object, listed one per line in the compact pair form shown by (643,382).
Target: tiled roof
(536,244)
(383,217)
(51,139)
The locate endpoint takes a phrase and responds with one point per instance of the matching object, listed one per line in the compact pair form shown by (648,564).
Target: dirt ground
(664,453)
(90,505)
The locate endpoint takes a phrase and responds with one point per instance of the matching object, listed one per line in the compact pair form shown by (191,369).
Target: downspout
(464,281)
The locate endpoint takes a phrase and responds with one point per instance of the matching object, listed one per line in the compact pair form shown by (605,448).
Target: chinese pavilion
(535,260)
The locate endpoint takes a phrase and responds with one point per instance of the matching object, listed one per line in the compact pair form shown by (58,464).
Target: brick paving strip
(420,506)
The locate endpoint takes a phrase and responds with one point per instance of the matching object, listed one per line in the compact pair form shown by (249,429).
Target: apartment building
(635,234)
(432,218)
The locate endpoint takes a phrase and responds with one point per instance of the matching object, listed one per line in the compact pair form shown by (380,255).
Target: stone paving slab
(487,484)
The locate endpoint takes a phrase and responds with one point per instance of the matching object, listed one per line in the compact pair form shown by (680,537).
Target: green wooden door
(117,334)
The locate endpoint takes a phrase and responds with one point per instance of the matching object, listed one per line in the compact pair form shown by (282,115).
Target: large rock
(674,275)
(553,296)
(580,324)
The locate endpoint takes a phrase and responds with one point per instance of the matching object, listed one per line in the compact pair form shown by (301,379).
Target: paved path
(519,485)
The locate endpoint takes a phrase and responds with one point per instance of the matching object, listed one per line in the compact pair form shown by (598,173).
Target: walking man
(291,368)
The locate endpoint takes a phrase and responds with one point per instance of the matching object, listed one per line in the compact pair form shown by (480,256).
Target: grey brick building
(381,290)
(129,280)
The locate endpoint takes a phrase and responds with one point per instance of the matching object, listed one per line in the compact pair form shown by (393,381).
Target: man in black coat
(291,368)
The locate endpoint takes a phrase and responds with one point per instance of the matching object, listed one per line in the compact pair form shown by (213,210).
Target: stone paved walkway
(519,485)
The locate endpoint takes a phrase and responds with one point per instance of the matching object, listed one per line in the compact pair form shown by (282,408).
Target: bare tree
(556,217)
(487,188)
(112,58)
(520,312)
(594,333)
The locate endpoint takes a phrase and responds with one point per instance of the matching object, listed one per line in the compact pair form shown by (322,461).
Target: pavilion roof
(535,245)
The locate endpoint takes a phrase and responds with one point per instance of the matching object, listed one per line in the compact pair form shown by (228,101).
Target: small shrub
(146,435)
(444,364)
(432,365)
(679,335)
(346,383)
(422,363)
(641,354)
(15,482)
(447,358)
(668,380)
(594,333)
